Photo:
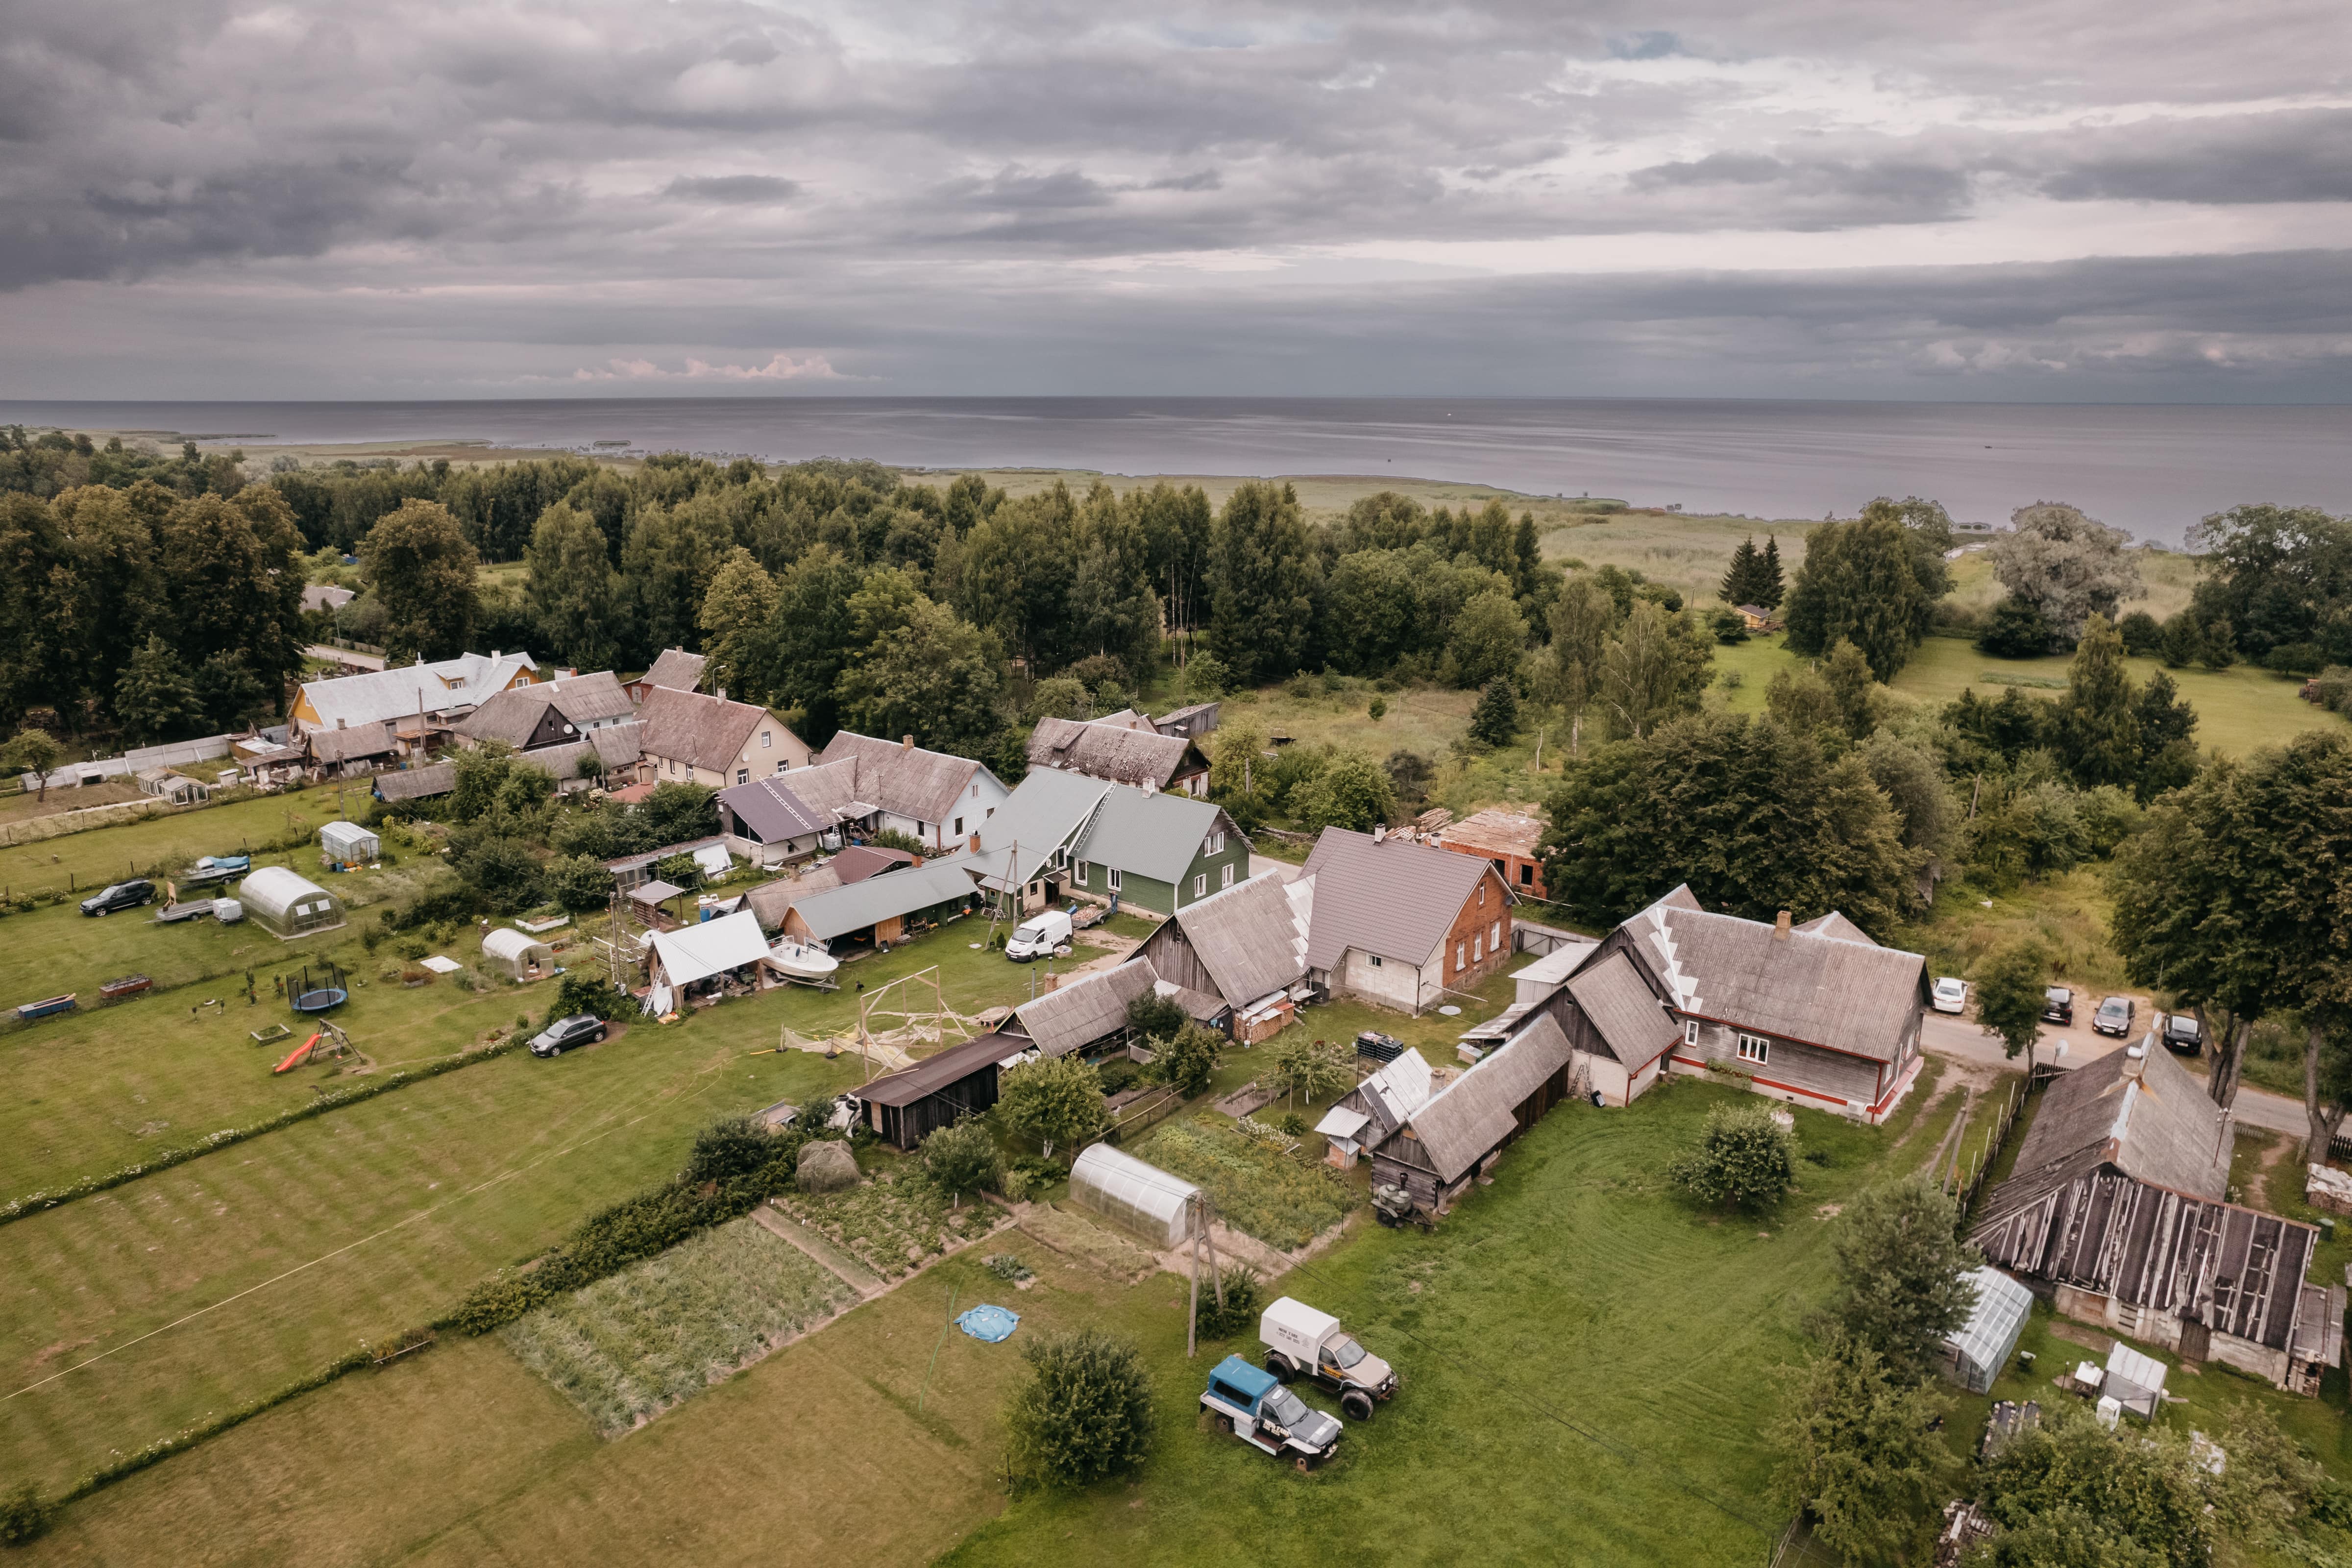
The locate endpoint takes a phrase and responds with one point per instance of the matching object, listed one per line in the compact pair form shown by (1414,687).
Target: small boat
(129,986)
(803,961)
(47,1007)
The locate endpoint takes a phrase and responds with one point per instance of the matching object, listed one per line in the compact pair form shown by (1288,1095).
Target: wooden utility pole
(1199,1205)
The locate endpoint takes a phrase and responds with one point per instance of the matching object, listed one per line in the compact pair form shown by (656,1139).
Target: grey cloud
(732,190)
(2290,156)
(1199,180)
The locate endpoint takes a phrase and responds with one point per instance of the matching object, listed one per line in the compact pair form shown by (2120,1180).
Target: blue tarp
(995,1324)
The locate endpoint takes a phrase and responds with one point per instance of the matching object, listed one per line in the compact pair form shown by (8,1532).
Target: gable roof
(1470,1116)
(772,901)
(350,745)
(514,715)
(1082,1011)
(856,905)
(384,694)
(1150,834)
(1851,997)
(1625,1010)
(1120,752)
(702,731)
(859,861)
(906,780)
(1497,831)
(698,951)
(1837,925)
(1047,811)
(416,784)
(1251,937)
(614,746)
(774,810)
(2147,1115)
(831,788)
(1388,896)
(675,670)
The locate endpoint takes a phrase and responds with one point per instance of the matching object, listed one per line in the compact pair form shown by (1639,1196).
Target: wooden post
(1216,1272)
(1192,1306)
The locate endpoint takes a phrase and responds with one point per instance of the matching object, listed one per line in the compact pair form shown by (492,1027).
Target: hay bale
(826,1166)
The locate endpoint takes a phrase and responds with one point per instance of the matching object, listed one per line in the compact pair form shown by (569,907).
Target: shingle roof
(514,715)
(1497,830)
(861,904)
(349,745)
(933,1074)
(614,746)
(1106,751)
(860,861)
(2146,1115)
(689,727)
(1150,834)
(1470,1116)
(676,670)
(1391,897)
(907,780)
(415,784)
(1082,1011)
(1251,937)
(770,900)
(384,694)
(1625,1011)
(1850,996)
(773,810)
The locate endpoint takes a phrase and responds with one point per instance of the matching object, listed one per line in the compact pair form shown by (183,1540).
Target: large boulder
(826,1166)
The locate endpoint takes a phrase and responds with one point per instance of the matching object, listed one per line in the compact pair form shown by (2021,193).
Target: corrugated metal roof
(1473,1114)
(1637,1029)
(614,746)
(1387,897)
(1080,1012)
(2147,1115)
(1837,925)
(1851,997)
(1249,938)
(774,810)
(380,695)
(415,784)
(1045,813)
(350,745)
(933,1074)
(861,904)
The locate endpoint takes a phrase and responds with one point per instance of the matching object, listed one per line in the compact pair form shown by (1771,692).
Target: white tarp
(713,859)
(698,951)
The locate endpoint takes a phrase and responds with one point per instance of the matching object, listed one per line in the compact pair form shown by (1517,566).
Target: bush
(1205,679)
(24,1516)
(1154,1017)
(2142,633)
(1729,626)
(1187,1061)
(2293,658)
(2018,630)
(1238,1314)
(579,884)
(1744,1158)
(587,991)
(1085,1413)
(960,1159)
(1118,1074)
(726,1149)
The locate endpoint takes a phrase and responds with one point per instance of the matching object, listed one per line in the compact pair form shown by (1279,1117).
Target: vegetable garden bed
(892,1222)
(1282,1199)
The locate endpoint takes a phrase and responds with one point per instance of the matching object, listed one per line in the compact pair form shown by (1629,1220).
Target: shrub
(960,1159)
(1744,1158)
(1239,1312)
(1154,1017)
(2142,633)
(1187,1061)
(2018,629)
(725,1150)
(579,884)
(1007,1268)
(891,838)
(1729,626)
(587,991)
(1058,1101)
(1378,710)
(24,1516)
(1085,1412)
(1117,1074)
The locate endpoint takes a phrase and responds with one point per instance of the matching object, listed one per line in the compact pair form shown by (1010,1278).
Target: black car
(2114,1016)
(580,1029)
(121,895)
(2058,1006)
(2182,1032)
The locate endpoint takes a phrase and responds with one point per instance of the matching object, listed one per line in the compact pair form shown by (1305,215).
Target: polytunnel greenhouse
(287,904)
(1140,1198)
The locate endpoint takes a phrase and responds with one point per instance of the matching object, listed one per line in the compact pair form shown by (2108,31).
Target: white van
(1038,936)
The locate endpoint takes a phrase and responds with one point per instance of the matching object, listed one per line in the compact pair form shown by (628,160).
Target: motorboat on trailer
(802,960)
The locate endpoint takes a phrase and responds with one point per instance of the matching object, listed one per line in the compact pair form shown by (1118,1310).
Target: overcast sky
(2070,199)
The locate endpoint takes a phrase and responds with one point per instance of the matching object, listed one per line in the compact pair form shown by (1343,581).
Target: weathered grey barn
(1457,1133)
(2117,1204)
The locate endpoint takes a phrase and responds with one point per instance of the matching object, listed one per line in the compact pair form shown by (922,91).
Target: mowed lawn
(101,854)
(1577,1290)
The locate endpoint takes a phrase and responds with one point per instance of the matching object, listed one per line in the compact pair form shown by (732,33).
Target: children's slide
(299,1055)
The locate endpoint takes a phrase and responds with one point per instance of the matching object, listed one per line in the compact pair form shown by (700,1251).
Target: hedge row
(36,1203)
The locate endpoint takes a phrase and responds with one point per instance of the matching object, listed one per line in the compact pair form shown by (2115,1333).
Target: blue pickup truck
(1253,1405)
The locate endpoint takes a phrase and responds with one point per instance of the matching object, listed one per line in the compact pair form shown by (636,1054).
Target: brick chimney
(974,845)
(722,694)
(1781,927)
(906,743)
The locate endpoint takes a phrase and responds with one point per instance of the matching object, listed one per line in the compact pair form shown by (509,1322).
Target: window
(1478,948)
(1495,936)
(1526,874)
(782,765)
(1225,878)
(1083,868)
(1216,845)
(765,737)
(1201,885)
(1459,949)
(1113,878)
(975,792)
(959,826)
(742,776)
(1690,1032)
(1481,892)
(1755,1049)
(1376,961)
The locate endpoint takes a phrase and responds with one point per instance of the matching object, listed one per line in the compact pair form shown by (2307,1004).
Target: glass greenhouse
(1140,1198)
(348,844)
(1974,1357)
(287,904)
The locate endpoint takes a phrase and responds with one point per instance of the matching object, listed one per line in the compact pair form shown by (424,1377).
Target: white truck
(1038,935)
(1303,1342)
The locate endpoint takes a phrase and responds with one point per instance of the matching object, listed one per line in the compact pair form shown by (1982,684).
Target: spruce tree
(2098,725)
(1741,583)
(155,700)
(1496,718)
(1770,585)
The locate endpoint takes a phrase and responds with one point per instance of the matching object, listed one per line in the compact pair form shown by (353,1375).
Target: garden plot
(629,1347)
(893,1223)
(1281,1199)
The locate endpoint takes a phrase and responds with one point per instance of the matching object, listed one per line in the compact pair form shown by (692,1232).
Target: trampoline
(322,994)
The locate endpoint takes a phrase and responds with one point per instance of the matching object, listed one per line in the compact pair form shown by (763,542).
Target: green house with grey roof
(1060,834)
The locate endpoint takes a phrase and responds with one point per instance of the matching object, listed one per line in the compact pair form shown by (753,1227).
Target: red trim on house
(1793,1088)
(1792,1039)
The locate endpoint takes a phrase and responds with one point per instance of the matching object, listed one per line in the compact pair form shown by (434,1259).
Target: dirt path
(850,1272)
(1939,1163)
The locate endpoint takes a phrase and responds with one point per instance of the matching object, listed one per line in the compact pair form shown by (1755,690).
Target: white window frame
(1690,1033)
(1225,878)
(1375,958)
(1755,1049)
(1200,886)
(1113,879)
(1460,947)
(1495,936)
(1478,947)
(1080,877)
(742,776)
(781,765)
(1216,845)
(766,737)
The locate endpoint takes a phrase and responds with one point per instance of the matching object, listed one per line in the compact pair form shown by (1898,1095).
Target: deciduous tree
(575,597)
(1086,1411)
(1902,1273)
(420,567)
(2055,559)
(1654,670)
(1861,582)
(2010,989)
(1058,1101)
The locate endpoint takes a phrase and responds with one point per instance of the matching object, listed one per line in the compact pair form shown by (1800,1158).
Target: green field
(99,856)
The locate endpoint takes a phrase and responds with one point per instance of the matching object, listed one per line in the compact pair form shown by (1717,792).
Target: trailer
(127,985)
(47,1006)
(215,869)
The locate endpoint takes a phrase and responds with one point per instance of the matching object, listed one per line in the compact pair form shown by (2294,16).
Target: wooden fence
(1139,1116)
(1965,1185)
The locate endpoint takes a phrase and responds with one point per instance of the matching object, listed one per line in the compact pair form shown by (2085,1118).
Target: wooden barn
(1454,1136)
(907,1106)
(1233,953)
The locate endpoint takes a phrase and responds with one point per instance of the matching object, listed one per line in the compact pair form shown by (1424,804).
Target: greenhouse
(1974,1357)
(347,843)
(1140,1198)
(519,953)
(288,905)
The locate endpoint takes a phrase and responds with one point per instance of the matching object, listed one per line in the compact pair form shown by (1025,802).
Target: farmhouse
(1120,753)
(1238,952)
(1062,831)
(440,692)
(693,738)
(768,822)
(1509,838)
(925,794)
(1456,1135)
(1402,923)
(675,671)
(2116,1203)
(349,752)
(1086,1014)
(907,1106)
(603,752)
(559,712)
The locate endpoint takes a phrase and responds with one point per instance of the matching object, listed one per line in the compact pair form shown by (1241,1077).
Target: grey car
(580,1029)
(2114,1016)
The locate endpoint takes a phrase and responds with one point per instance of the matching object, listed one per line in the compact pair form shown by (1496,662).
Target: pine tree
(1496,718)
(1770,585)
(1741,583)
